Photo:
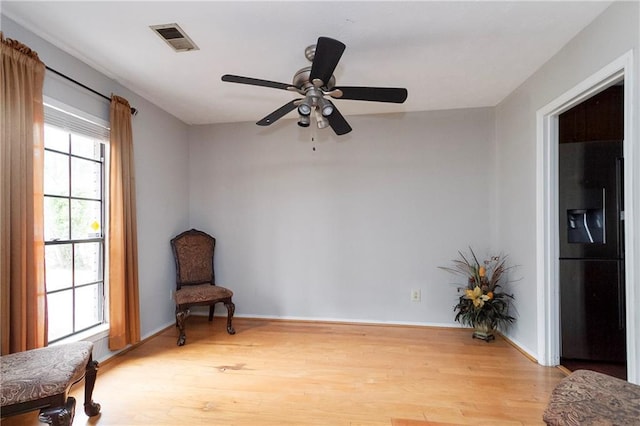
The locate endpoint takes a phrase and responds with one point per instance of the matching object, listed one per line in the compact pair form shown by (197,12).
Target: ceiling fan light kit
(314,83)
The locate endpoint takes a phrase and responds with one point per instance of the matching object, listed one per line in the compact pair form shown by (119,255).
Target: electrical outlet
(415,295)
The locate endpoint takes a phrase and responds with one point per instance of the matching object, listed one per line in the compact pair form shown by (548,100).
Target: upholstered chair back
(193,251)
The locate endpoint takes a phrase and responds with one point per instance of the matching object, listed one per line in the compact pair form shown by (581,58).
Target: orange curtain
(124,315)
(23,313)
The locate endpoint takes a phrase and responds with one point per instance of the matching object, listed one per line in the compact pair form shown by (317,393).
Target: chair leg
(181,317)
(211,309)
(231,308)
(90,408)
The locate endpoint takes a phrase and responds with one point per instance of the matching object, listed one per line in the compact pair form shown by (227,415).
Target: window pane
(88,306)
(60,314)
(85,147)
(56,173)
(56,218)
(56,138)
(88,258)
(85,214)
(58,266)
(85,178)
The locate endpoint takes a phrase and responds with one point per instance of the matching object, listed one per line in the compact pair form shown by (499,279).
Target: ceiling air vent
(175,37)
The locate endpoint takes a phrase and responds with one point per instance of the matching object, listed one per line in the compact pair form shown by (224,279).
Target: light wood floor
(306,373)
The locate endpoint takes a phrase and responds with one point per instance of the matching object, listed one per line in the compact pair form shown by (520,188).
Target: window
(74,211)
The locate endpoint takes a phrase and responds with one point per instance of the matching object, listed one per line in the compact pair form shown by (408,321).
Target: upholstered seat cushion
(189,294)
(40,373)
(590,398)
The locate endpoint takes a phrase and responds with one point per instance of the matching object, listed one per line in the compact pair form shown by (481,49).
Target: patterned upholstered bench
(41,379)
(589,398)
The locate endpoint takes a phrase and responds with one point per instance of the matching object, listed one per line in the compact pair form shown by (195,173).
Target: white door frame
(547,250)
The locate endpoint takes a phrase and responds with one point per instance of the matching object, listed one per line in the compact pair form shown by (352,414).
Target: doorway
(547,247)
(591,234)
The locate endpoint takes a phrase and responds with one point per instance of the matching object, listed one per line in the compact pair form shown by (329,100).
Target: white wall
(161,162)
(612,34)
(345,232)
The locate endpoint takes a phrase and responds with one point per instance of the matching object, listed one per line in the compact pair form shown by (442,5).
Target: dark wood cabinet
(599,118)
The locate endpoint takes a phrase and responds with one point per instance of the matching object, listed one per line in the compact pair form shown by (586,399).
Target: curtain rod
(133,110)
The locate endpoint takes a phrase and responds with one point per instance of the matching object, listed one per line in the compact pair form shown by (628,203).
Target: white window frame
(102,330)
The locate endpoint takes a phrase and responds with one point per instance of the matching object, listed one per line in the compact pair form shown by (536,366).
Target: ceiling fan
(314,83)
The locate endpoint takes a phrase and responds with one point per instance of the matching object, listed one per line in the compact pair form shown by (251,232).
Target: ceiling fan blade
(255,82)
(337,122)
(375,94)
(328,53)
(279,113)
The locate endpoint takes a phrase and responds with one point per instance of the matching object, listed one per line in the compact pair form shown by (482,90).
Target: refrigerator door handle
(604,215)
(621,297)
(620,204)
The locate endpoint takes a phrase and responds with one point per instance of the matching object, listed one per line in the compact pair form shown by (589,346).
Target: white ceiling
(448,54)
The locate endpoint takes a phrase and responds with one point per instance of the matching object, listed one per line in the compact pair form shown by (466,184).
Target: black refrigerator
(592,288)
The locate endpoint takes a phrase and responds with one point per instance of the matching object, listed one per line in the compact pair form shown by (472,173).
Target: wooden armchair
(195,279)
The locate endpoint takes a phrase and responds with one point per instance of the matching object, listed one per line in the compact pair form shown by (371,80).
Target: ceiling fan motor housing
(301,81)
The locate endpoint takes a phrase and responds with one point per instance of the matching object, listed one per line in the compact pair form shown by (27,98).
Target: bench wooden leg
(90,408)
(59,416)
